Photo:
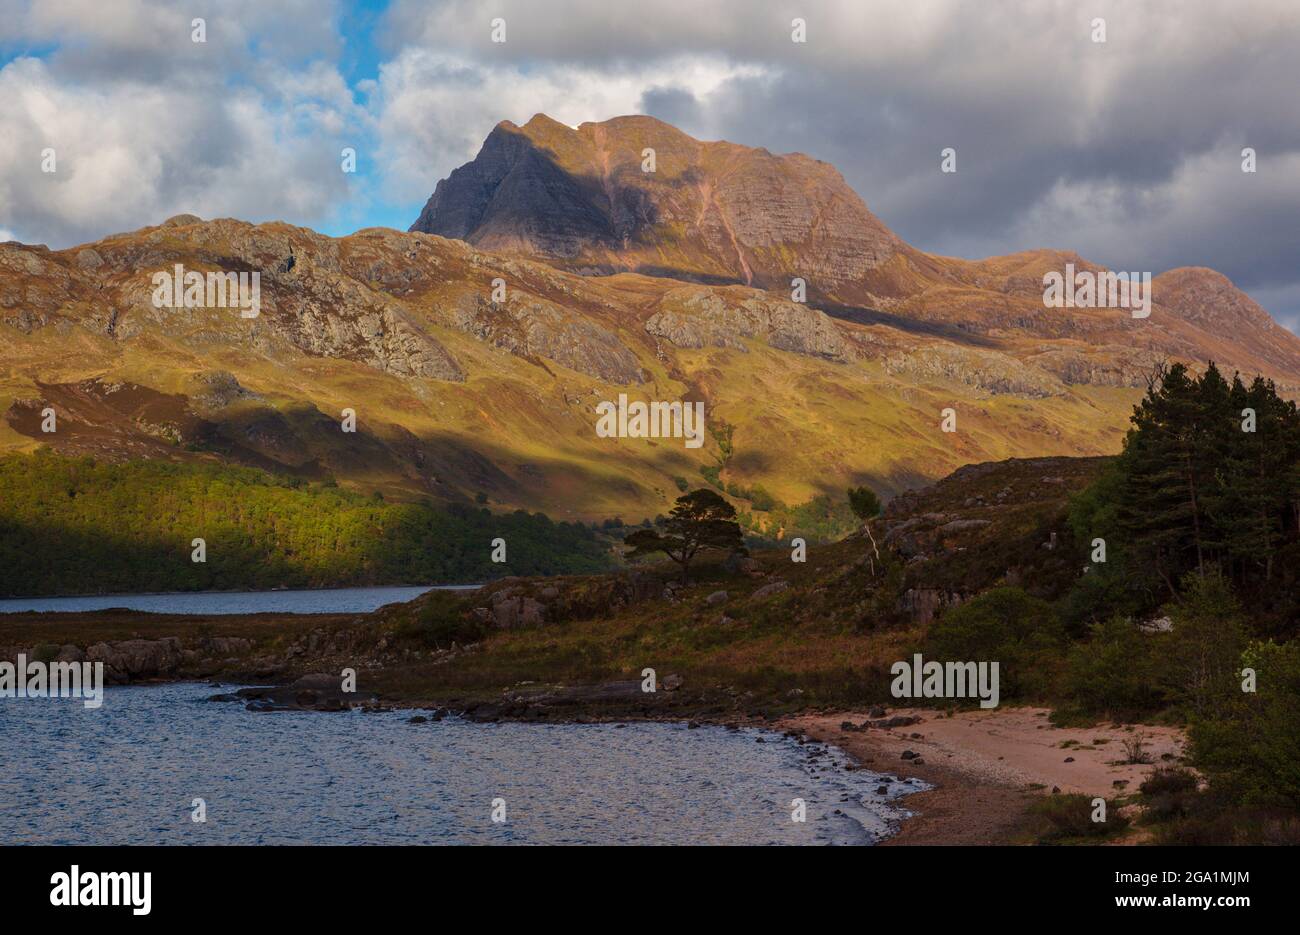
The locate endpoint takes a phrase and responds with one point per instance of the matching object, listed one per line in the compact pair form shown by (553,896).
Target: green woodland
(79,526)
(1200,520)
(1208,483)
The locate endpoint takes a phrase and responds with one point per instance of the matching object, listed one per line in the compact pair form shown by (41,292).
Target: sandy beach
(987,767)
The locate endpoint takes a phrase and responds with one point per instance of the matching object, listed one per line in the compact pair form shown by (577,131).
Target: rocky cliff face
(697,318)
(707,212)
(514,195)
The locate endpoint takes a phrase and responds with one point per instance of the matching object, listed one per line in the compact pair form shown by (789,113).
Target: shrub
(1135,749)
(1168,793)
(1104,592)
(1251,752)
(1007,626)
(1202,655)
(440,619)
(1167,780)
(1210,822)
(1060,817)
(1113,672)
(761,499)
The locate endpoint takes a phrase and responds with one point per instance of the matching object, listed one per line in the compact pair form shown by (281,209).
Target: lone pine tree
(700,520)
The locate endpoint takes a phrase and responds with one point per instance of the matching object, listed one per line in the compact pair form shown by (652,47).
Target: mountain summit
(635,194)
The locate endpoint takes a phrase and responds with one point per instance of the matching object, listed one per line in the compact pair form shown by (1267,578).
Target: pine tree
(700,520)
(1160,514)
(1199,491)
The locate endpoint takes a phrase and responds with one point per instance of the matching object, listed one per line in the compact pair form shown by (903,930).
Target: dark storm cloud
(677,106)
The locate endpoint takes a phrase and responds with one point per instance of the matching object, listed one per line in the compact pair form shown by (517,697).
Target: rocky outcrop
(142,660)
(216,389)
(536,328)
(510,611)
(922,605)
(306,300)
(1108,366)
(992,372)
(135,660)
(987,525)
(381,336)
(695,318)
(316,691)
(768,590)
(514,602)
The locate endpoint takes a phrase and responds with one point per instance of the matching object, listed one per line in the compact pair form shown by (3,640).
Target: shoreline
(104,595)
(802,730)
(984,769)
(988,767)
(958,809)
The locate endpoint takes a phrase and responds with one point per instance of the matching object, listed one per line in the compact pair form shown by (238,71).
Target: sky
(1128,151)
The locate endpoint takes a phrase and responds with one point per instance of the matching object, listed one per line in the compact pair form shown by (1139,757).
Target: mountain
(722,213)
(671,285)
(709,212)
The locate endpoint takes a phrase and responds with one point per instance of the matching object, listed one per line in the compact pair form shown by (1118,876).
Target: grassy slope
(523,430)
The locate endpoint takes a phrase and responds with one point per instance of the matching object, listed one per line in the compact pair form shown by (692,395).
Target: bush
(761,499)
(1168,793)
(1211,823)
(1113,673)
(1168,780)
(1201,657)
(441,618)
(1061,817)
(1007,626)
(1251,752)
(1105,591)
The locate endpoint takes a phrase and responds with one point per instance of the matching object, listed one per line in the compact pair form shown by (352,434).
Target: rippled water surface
(129,772)
(325,601)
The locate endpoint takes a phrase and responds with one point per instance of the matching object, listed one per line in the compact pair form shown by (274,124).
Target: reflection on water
(326,601)
(129,772)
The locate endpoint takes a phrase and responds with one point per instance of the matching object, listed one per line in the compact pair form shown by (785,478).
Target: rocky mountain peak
(636,194)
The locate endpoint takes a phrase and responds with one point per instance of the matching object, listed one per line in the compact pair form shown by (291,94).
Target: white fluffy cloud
(145,123)
(124,158)
(433,109)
